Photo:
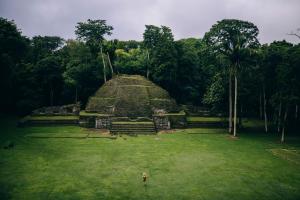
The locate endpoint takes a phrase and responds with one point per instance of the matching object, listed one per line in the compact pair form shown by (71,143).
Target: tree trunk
(76,94)
(51,96)
(104,73)
(296,112)
(235,104)
(111,68)
(230,104)
(260,107)
(284,124)
(265,110)
(279,117)
(148,63)
(240,124)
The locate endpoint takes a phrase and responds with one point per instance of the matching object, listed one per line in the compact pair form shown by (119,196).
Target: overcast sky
(186,18)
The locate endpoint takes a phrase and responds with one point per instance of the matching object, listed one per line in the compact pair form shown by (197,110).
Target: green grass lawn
(187,164)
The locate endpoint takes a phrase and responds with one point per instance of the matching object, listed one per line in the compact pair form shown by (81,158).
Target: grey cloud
(187,18)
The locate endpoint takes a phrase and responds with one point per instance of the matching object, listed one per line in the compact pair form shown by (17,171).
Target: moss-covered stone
(170,120)
(71,109)
(94,120)
(130,96)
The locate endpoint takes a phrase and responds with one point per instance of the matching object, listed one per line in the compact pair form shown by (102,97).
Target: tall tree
(233,38)
(294,61)
(76,61)
(43,46)
(132,62)
(13,50)
(49,75)
(159,42)
(93,32)
(263,72)
(192,77)
(286,94)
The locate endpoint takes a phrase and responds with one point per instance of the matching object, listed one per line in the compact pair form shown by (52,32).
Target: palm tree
(233,38)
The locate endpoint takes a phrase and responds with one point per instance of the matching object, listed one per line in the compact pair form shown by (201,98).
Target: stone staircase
(132,128)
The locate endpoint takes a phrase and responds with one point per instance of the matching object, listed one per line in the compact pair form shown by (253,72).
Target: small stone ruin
(70,109)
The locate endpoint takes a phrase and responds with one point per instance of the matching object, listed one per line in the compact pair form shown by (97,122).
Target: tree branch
(294,34)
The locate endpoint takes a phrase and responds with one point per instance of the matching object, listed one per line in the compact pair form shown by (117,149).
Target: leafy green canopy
(13,49)
(159,41)
(93,32)
(232,38)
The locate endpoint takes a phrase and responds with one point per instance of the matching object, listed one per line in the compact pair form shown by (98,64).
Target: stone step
(133,125)
(133,132)
(119,125)
(133,128)
(122,127)
(150,131)
(130,129)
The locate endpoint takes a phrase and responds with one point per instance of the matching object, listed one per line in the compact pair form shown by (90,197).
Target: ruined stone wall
(95,121)
(170,120)
(71,109)
(103,122)
(161,122)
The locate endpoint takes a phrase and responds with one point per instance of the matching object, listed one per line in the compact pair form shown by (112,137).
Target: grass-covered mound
(130,95)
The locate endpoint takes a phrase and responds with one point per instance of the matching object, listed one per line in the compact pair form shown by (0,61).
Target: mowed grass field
(186,164)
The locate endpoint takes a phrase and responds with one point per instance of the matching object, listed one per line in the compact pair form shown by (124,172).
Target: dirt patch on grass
(167,131)
(291,155)
(231,137)
(97,131)
(100,133)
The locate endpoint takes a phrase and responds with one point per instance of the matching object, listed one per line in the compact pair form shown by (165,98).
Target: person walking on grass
(144,176)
